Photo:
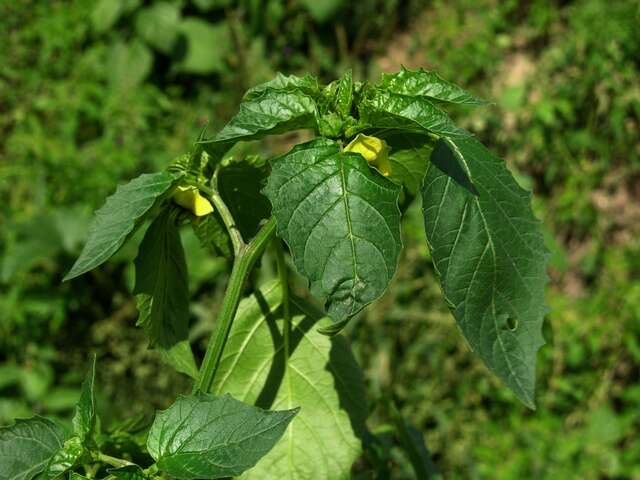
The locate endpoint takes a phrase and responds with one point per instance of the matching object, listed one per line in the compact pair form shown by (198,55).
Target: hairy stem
(242,266)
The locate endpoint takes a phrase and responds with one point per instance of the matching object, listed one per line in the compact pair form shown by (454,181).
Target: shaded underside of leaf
(240,186)
(409,159)
(203,436)
(162,292)
(321,376)
(489,253)
(341,221)
(116,220)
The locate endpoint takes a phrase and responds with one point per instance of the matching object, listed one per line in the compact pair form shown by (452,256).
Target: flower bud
(374,150)
(189,197)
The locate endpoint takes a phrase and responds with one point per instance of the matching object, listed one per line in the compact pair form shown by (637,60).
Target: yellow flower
(190,198)
(374,150)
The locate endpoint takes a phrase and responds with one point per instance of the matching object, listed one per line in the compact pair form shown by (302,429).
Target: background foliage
(91,95)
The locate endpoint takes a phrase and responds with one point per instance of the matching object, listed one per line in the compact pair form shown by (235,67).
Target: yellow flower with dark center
(189,197)
(374,150)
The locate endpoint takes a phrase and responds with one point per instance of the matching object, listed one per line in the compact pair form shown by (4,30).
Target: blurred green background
(94,92)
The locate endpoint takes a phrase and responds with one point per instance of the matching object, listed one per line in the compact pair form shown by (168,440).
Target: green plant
(275,363)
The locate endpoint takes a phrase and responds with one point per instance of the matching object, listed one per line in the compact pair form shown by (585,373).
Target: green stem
(225,215)
(113,461)
(242,266)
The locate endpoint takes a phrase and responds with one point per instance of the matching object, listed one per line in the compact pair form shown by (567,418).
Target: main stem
(242,265)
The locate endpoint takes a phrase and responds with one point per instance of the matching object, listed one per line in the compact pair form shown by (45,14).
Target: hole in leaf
(512,323)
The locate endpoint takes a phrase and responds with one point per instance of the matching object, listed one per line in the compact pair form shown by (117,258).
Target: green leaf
(341,221)
(180,357)
(203,436)
(324,10)
(424,83)
(344,95)
(162,289)
(118,218)
(240,186)
(307,84)
(272,112)
(409,158)
(84,420)
(321,376)
(213,235)
(129,472)
(412,442)
(207,46)
(386,111)
(27,446)
(158,25)
(105,14)
(68,457)
(128,65)
(77,476)
(489,252)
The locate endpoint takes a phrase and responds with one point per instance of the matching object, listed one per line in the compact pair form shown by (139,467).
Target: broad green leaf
(203,436)
(344,95)
(129,472)
(424,83)
(158,25)
(69,456)
(84,420)
(240,186)
(307,84)
(162,289)
(207,46)
(117,219)
(409,158)
(488,250)
(386,111)
(341,221)
(321,376)
(27,446)
(270,113)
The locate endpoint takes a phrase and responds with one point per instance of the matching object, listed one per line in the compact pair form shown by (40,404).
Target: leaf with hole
(488,250)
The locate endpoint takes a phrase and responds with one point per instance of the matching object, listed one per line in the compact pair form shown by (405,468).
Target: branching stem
(242,265)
